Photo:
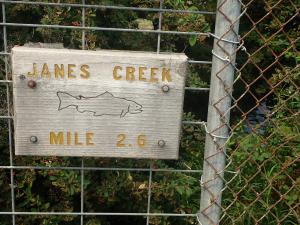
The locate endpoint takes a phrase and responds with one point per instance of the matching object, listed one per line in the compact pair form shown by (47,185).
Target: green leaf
(180,189)
(192,40)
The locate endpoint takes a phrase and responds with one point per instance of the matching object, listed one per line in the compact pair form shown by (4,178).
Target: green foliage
(268,162)
(194,80)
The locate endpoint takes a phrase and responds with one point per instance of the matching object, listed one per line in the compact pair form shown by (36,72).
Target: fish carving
(105,104)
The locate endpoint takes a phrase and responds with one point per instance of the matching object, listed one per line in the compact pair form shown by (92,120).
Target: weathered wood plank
(97,103)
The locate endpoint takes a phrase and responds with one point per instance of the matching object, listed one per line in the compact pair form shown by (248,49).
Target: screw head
(165,88)
(22,77)
(31,84)
(161,143)
(33,139)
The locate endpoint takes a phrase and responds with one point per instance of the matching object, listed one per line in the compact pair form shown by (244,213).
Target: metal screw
(31,84)
(161,143)
(22,77)
(165,88)
(33,139)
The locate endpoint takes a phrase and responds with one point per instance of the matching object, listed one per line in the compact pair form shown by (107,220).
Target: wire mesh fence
(245,171)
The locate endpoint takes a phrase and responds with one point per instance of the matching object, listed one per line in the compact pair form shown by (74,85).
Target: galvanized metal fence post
(222,75)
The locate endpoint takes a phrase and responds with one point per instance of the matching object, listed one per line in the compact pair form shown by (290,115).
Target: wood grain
(99,104)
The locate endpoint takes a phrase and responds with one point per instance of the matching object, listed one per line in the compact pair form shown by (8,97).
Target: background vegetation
(264,150)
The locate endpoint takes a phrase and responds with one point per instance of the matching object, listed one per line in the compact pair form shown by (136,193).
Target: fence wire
(248,170)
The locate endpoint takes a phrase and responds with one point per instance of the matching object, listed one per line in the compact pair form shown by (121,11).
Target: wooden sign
(97,103)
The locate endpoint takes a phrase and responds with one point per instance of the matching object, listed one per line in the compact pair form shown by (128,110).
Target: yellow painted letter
(89,138)
(84,71)
(76,139)
(45,71)
(34,72)
(59,71)
(115,73)
(130,73)
(68,138)
(141,73)
(153,74)
(166,75)
(71,71)
(56,139)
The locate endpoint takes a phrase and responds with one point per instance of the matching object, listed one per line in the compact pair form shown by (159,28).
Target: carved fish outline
(105,104)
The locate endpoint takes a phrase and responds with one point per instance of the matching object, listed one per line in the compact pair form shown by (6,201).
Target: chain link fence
(240,166)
